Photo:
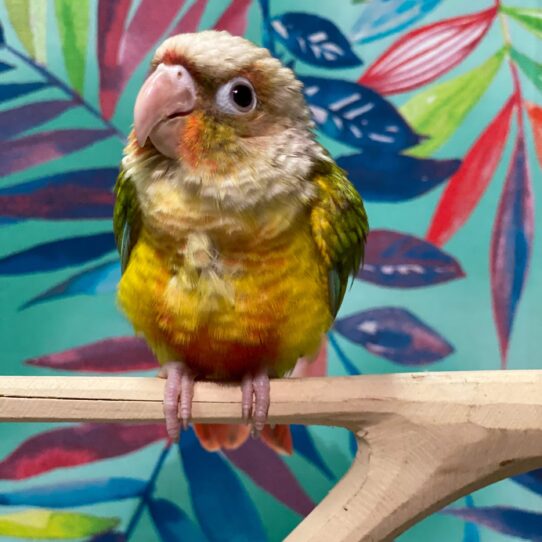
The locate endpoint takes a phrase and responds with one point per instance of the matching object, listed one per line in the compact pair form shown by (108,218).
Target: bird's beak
(166,96)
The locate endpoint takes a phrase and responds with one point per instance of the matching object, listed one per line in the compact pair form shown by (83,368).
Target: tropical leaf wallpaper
(434,108)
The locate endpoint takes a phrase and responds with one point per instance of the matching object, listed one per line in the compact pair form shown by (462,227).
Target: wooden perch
(425,439)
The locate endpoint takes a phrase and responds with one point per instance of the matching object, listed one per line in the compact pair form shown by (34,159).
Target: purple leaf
(108,537)
(399,260)
(77,445)
(99,279)
(511,244)
(356,115)
(502,519)
(395,334)
(385,176)
(100,178)
(304,445)
(269,471)
(531,480)
(234,18)
(116,355)
(72,494)
(20,119)
(190,21)
(9,91)
(314,40)
(28,151)
(58,254)
(227,514)
(171,522)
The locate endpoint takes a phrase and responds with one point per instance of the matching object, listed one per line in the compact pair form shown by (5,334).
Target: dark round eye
(236,97)
(242,96)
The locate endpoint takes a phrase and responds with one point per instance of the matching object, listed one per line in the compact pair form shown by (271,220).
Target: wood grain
(425,439)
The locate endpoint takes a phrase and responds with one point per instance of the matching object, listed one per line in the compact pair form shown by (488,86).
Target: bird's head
(214,101)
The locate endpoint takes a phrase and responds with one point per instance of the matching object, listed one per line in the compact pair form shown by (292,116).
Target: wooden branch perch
(424,439)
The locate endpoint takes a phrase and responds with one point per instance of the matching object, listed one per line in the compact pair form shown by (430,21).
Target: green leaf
(40,524)
(29,19)
(532,69)
(72,19)
(440,110)
(529,18)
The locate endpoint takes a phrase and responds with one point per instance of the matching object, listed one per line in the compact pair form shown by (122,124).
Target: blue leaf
(58,254)
(103,178)
(502,519)
(395,334)
(221,503)
(314,40)
(172,523)
(5,67)
(356,115)
(100,279)
(108,537)
(384,176)
(399,260)
(531,480)
(304,445)
(384,17)
(9,91)
(72,494)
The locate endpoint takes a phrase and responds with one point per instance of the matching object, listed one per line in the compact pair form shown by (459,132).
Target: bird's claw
(255,401)
(178,395)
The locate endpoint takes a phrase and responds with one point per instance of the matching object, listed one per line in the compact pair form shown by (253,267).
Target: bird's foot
(255,402)
(178,395)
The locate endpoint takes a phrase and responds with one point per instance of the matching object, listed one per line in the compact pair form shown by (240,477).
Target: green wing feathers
(339,226)
(126,217)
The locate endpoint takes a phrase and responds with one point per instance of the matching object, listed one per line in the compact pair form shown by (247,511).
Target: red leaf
(147,25)
(111,20)
(535,114)
(59,202)
(191,19)
(116,355)
(270,472)
(19,154)
(426,53)
(235,18)
(77,445)
(467,186)
(511,244)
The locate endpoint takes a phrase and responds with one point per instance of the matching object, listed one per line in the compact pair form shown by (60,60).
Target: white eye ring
(236,97)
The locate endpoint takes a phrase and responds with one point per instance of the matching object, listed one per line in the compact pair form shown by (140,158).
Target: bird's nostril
(179,74)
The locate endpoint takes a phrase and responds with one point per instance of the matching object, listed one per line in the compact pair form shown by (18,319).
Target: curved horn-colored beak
(168,93)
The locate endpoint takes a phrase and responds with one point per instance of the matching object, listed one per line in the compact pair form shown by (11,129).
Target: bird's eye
(236,97)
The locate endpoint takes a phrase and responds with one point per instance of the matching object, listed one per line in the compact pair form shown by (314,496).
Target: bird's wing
(339,227)
(126,217)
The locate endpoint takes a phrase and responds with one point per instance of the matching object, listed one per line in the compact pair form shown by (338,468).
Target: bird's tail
(214,437)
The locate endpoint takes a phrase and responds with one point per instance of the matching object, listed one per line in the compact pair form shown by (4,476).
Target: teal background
(460,310)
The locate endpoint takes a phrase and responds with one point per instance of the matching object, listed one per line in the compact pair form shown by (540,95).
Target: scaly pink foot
(178,395)
(255,390)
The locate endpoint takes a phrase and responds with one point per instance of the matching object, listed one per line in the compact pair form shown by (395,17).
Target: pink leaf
(77,445)
(467,186)
(426,53)
(111,20)
(235,17)
(191,19)
(115,355)
(511,244)
(150,21)
(19,154)
(270,472)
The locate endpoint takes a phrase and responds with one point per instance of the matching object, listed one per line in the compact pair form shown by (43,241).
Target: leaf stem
(350,367)
(267,32)
(76,98)
(138,512)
